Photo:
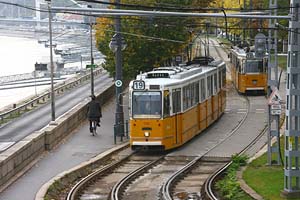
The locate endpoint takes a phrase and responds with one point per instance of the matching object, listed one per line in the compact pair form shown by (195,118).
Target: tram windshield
(146,104)
(254,66)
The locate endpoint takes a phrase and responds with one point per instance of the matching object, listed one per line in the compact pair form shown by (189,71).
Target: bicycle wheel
(94,128)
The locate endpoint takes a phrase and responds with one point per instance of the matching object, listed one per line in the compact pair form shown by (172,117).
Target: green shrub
(228,187)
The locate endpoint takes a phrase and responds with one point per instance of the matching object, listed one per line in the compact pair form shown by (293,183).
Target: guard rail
(7,115)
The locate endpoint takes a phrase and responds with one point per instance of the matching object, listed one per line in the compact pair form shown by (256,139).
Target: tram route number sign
(276,109)
(138,85)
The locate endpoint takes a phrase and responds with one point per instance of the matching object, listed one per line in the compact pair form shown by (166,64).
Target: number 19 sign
(138,85)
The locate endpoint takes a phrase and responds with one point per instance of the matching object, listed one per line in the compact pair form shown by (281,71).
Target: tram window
(265,65)
(220,79)
(166,103)
(223,77)
(203,90)
(215,89)
(241,66)
(209,86)
(192,88)
(185,98)
(254,66)
(194,93)
(146,103)
(176,98)
(197,92)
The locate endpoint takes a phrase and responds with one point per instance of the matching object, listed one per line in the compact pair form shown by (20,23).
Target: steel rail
(166,188)
(212,178)
(119,187)
(209,182)
(166,194)
(73,193)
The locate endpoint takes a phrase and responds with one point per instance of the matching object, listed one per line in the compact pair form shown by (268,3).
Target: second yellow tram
(248,73)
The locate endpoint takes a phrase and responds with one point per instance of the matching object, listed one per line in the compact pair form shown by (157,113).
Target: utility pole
(244,26)
(250,22)
(292,129)
(92,58)
(273,82)
(51,63)
(119,115)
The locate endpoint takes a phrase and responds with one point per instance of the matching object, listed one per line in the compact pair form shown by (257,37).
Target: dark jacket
(94,110)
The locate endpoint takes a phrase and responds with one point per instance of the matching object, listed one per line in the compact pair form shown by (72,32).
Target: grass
(282,62)
(268,181)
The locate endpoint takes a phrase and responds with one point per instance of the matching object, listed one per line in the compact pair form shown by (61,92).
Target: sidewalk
(79,147)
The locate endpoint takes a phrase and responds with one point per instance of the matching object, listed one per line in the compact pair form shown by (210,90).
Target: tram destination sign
(138,85)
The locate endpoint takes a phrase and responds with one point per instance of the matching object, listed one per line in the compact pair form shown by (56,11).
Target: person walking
(94,112)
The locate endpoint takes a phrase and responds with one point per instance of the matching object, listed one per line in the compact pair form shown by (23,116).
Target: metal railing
(59,88)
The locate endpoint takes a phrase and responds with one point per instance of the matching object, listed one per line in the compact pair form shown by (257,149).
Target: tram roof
(168,76)
(243,52)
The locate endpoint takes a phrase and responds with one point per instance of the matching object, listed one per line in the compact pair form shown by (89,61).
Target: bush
(228,187)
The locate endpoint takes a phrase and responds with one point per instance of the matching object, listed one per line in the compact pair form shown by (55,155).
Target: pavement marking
(241,112)
(5,145)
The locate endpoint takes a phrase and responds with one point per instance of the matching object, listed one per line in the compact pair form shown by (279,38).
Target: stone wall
(16,160)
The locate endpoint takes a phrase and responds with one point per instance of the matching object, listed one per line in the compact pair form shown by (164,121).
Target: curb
(43,190)
(244,185)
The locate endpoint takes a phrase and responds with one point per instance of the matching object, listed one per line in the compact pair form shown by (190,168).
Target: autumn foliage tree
(151,41)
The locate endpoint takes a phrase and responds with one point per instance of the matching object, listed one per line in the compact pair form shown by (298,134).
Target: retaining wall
(16,160)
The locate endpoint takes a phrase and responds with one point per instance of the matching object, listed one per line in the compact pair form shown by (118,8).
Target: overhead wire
(87,14)
(178,8)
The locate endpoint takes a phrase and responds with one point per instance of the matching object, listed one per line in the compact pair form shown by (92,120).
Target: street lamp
(117,44)
(114,46)
(51,63)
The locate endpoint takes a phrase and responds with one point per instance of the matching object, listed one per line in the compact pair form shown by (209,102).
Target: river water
(18,55)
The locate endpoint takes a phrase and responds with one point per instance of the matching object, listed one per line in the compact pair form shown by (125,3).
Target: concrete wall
(20,157)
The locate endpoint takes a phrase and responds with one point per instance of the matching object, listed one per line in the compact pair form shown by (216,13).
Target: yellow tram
(170,105)
(248,73)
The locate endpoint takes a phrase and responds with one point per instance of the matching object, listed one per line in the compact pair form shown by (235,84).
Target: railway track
(159,176)
(99,183)
(207,189)
(151,177)
(178,186)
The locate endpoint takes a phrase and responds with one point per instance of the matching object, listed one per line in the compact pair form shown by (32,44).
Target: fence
(18,110)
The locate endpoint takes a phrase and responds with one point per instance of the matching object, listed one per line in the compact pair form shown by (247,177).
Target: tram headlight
(254,82)
(146,134)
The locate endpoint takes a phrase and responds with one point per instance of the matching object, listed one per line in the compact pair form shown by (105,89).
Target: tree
(151,41)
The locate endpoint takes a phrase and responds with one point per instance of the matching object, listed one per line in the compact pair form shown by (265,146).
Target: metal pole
(226,29)
(92,58)
(273,120)
(119,116)
(292,133)
(250,23)
(207,38)
(244,26)
(51,64)
(35,83)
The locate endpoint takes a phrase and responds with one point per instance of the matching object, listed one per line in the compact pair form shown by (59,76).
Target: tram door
(176,98)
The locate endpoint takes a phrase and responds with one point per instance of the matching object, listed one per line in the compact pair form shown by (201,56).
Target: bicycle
(94,127)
